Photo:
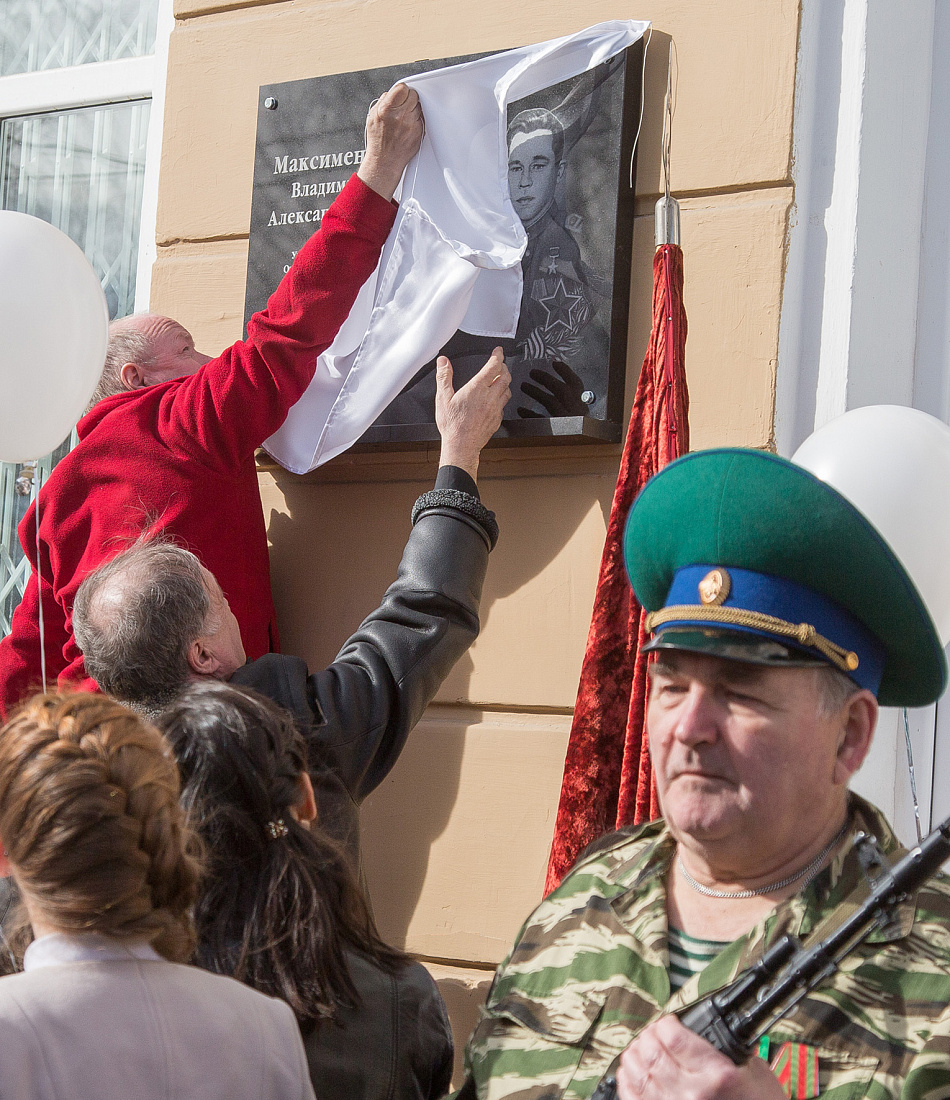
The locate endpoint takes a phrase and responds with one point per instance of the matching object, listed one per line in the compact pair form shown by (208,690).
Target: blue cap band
(719,593)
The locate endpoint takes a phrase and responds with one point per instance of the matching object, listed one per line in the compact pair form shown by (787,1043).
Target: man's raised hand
(394,129)
(469,418)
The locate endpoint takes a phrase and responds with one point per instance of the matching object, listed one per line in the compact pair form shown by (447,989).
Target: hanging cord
(910,769)
(666,226)
(643,73)
(668,109)
(39,581)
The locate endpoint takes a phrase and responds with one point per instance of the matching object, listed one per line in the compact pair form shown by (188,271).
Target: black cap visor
(733,645)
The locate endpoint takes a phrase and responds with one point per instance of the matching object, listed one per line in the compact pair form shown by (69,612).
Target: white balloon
(54,324)
(893,464)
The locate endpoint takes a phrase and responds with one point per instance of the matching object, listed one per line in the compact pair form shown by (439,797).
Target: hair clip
(276,829)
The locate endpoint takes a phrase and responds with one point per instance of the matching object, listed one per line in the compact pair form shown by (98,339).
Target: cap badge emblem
(714,587)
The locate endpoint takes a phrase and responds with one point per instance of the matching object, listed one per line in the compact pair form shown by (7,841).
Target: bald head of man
(145,349)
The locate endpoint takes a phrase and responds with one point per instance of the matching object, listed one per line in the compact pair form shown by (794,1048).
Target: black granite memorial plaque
(569,174)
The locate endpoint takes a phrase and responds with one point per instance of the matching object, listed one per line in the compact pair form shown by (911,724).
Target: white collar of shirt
(58,948)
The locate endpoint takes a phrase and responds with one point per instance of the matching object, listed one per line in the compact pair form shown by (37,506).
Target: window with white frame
(76,87)
(36,35)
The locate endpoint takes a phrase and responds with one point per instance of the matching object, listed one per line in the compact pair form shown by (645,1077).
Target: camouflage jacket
(589,971)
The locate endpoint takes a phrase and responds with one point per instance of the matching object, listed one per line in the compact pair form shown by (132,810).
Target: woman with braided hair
(281,910)
(93,834)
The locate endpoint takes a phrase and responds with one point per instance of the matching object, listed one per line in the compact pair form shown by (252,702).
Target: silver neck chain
(807,873)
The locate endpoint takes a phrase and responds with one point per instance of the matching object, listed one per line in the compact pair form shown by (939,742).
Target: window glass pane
(19,483)
(82,171)
(53,34)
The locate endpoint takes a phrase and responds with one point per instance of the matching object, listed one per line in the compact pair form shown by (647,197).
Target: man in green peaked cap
(780,619)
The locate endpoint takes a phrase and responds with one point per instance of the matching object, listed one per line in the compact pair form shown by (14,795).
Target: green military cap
(745,555)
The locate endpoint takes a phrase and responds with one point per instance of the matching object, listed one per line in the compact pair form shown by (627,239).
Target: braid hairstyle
(91,823)
(277,912)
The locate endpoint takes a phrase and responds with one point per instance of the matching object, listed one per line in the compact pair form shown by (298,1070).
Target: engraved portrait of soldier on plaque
(570,174)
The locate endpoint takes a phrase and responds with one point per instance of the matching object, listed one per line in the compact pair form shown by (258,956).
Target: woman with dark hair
(106,868)
(281,909)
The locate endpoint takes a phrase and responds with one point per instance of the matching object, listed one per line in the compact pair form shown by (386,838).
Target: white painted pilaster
(849,311)
(866,267)
(153,158)
(932,360)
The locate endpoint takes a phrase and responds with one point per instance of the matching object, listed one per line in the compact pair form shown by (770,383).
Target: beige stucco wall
(456,838)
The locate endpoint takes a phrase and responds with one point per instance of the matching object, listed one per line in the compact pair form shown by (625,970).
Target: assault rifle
(737,1016)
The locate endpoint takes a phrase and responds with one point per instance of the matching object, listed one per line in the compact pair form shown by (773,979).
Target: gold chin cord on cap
(802,633)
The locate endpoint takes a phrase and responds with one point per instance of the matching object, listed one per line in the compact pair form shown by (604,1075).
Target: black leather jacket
(357,713)
(395,1045)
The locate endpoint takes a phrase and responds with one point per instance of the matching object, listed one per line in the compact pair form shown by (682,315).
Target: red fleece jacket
(178,457)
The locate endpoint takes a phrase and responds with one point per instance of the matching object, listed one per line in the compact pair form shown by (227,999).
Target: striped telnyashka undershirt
(688,956)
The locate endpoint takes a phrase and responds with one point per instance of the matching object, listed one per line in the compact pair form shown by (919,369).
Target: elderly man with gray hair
(154,619)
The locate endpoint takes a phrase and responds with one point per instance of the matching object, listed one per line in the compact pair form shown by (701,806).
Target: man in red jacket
(169,445)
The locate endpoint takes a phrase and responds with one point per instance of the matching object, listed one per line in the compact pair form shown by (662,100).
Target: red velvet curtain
(608,780)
